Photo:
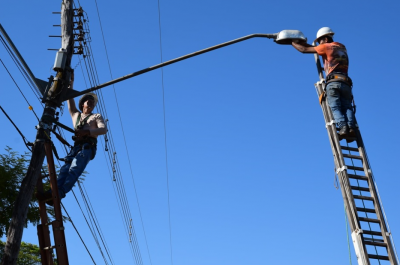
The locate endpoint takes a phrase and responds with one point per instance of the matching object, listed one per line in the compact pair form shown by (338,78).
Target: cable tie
(341,169)
(330,123)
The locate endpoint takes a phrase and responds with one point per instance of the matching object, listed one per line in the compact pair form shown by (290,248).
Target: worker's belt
(339,77)
(88,140)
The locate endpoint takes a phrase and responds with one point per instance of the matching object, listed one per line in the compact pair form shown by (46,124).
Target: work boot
(352,132)
(343,133)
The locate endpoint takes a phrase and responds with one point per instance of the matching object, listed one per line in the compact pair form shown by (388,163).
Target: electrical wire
(69,217)
(19,89)
(92,215)
(165,131)
(108,139)
(20,133)
(22,70)
(123,132)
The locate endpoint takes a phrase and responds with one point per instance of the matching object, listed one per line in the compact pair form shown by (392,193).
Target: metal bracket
(341,169)
(330,123)
(358,231)
(369,171)
(43,126)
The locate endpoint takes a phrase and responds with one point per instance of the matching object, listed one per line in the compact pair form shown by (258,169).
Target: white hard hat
(84,96)
(325,31)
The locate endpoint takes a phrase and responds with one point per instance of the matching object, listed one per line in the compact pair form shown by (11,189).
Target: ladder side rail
(377,205)
(58,228)
(339,163)
(347,193)
(46,255)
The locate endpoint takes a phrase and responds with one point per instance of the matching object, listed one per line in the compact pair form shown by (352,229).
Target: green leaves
(29,254)
(12,171)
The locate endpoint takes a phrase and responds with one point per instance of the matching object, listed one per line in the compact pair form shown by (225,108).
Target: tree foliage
(13,168)
(29,254)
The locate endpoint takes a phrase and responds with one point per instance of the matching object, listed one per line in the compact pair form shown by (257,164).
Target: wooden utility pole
(53,101)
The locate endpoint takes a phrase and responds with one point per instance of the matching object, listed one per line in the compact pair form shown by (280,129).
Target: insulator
(79,12)
(79,25)
(80,36)
(106,149)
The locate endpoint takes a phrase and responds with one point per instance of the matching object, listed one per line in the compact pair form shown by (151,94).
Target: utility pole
(53,100)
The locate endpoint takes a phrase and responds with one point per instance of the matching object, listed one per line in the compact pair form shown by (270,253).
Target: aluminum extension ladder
(372,240)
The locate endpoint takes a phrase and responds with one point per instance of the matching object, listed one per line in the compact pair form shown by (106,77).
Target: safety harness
(78,126)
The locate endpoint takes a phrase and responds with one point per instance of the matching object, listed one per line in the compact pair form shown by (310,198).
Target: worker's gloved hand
(82,133)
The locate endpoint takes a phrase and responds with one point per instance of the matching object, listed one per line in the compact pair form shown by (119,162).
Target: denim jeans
(339,98)
(75,163)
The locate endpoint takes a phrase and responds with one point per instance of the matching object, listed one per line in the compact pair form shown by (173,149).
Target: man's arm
(304,47)
(71,102)
(101,126)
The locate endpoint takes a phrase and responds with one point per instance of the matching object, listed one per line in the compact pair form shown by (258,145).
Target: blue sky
(251,177)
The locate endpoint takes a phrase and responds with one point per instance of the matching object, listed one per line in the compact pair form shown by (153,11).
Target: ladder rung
(374,233)
(48,248)
(44,176)
(366,210)
(369,220)
(369,239)
(371,256)
(349,148)
(352,156)
(355,168)
(359,188)
(357,177)
(379,244)
(363,198)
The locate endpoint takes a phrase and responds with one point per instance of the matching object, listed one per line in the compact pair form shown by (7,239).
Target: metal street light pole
(283,37)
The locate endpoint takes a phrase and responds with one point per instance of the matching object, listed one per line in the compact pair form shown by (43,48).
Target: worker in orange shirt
(338,83)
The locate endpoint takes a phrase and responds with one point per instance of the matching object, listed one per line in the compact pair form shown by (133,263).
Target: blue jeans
(339,98)
(75,163)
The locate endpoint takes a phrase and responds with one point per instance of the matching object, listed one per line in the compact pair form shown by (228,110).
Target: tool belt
(88,140)
(335,77)
(88,143)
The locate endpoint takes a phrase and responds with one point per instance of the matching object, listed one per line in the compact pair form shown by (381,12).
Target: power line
(21,69)
(27,143)
(69,217)
(108,142)
(165,131)
(123,133)
(19,89)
